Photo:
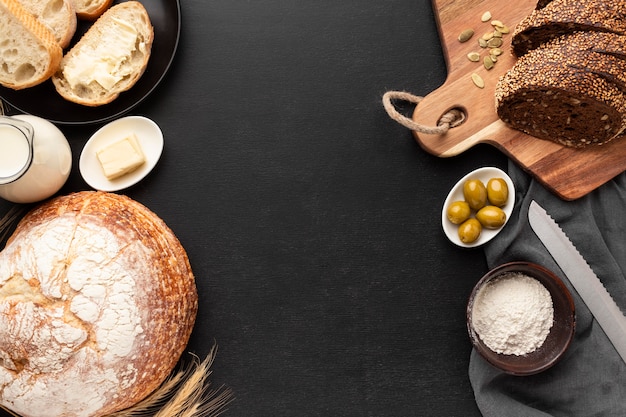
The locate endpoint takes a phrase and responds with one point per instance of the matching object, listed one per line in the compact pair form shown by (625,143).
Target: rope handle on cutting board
(452,118)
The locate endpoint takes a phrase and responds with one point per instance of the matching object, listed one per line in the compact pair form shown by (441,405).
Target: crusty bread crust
(29,53)
(58,16)
(93,42)
(97,303)
(91,9)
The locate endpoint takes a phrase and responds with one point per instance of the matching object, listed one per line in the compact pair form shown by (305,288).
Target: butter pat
(121,157)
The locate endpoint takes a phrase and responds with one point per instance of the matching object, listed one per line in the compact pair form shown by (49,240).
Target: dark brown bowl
(557,341)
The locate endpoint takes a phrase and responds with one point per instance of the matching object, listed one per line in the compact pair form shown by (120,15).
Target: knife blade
(581,276)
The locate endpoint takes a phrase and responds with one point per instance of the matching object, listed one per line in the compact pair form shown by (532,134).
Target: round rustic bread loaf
(97,303)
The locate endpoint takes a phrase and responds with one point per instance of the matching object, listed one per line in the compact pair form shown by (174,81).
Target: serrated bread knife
(581,276)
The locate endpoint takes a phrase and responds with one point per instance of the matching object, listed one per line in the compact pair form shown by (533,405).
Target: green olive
(497,192)
(475,193)
(458,212)
(470,230)
(491,217)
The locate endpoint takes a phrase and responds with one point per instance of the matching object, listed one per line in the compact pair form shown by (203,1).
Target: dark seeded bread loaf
(603,54)
(603,42)
(560,17)
(551,94)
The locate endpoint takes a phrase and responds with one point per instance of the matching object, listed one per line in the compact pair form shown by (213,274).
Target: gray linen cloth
(590,380)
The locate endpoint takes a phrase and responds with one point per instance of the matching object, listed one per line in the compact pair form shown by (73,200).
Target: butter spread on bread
(29,53)
(97,303)
(110,57)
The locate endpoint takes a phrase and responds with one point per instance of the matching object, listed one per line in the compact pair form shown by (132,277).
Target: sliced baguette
(110,57)
(29,54)
(57,15)
(91,9)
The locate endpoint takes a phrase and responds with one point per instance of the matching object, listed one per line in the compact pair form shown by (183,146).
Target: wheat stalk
(186,393)
(9,220)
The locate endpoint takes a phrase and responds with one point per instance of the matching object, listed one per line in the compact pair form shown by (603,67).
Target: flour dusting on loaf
(97,303)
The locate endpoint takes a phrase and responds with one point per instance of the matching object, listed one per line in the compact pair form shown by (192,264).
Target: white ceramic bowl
(150,139)
(483,174)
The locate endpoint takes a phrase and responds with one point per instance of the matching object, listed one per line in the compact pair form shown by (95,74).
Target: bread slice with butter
(121,157)
(110,57)
(29,53)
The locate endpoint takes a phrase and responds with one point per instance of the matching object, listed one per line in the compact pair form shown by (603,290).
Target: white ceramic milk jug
(35,158)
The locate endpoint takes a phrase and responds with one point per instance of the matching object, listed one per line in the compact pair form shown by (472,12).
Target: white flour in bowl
(513,314)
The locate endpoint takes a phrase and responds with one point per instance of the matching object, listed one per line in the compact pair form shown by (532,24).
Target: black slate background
(311,219)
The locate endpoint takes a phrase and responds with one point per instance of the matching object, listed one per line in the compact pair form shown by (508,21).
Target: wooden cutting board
(569,173)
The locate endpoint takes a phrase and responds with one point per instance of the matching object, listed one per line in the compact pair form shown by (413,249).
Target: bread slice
(605,43)
(57,15)
(29,54)
(603,54)
(560,17)
(91,9)
(552,95)
(110,57)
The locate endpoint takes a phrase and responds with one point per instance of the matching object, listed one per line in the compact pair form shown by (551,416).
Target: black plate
(45,102)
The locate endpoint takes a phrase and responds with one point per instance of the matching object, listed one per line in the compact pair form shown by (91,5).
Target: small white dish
(483,174)
(150,139)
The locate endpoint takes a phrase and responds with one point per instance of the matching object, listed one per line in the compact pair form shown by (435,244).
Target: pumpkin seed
(496,23)
(496,51)
(497,34)
(478,81)
(494,43)
(487,36)
(473,56)
(488,62)
(503,29)
(482,43)
(486,16)
(494,58)
(466,35)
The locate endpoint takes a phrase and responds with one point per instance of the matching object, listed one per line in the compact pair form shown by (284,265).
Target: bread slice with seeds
(29,53)
(603,54)
(552,95)
(560,17)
